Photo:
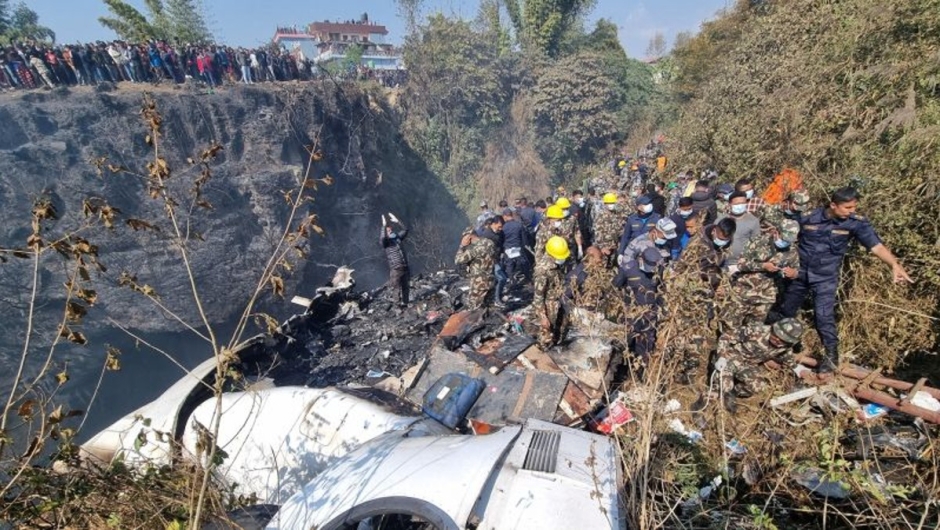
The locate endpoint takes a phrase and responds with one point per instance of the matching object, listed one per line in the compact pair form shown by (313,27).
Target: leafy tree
(493,27)
(457,94)
(187,21)
(181,21)
(22,24)
(353,56)
(4,17)
(577,102)
(130,24)
(410,10)
(657,46)
(541,24)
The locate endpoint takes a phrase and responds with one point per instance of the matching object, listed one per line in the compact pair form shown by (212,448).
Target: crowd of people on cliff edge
(736,264)
(25,66)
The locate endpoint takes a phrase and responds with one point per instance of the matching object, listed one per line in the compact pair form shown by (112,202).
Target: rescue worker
(659,237)
(642,279)
(485,215)
(793,207)
(608,225)
(638,223)
(514,259)
(767,264)
(551,269)
(570,228)
(554,224)
(581,210)
(399,274)
(692,283)
(479,254)
(588,283)
(825,234)
(743,352)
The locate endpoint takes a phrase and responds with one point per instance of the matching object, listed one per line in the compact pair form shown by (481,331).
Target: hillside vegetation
(512,107)
(848,92)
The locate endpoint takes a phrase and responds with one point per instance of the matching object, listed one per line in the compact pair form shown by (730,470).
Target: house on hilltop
(328,41)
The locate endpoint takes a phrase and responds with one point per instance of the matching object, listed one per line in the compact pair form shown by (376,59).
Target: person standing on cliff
(399,274)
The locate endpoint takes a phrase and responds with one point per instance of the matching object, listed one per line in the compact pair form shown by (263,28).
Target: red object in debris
(617,414)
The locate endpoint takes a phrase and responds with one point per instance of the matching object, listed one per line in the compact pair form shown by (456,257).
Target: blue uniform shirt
(823,242)
(635,227)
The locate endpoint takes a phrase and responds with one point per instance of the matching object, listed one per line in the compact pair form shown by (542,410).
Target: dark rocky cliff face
(47,140)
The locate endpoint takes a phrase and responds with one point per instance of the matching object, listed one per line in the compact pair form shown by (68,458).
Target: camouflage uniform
(480,260)
(773,214)
(549,280)
(755,290)
(567,229)
(745,351)
(608,225)
(690,286)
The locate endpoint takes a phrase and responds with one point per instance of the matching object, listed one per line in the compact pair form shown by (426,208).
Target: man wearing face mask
(691,284)
(793,208)
(608,224)
(683,212)
(723,197)
(581,212)
(659,238)
(755,204)
(825,234)
(552,225)
(748,227)
(767,264)
(399,273)
(479,254)
(551,268)
(638,223)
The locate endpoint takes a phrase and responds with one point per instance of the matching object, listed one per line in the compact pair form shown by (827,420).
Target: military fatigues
(754,290)
(608,225)
(823,243)
(549,280)
(480,259)
(690,285)
(566,229)
(773,214)
(745,350)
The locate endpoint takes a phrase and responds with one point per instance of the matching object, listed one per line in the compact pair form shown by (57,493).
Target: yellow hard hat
(563,202)
(622,163)
(555,212)
(610,198)
(557,248)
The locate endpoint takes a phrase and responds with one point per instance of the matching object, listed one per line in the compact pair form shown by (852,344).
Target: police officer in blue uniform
(638,223)
(642,279)
(825,234)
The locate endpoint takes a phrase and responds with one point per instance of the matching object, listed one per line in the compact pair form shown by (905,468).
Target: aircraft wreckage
(357,414)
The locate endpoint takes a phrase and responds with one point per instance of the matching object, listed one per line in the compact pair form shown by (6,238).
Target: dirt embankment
(49,139)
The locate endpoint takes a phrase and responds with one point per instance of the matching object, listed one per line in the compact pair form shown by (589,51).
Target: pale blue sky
(252,22)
